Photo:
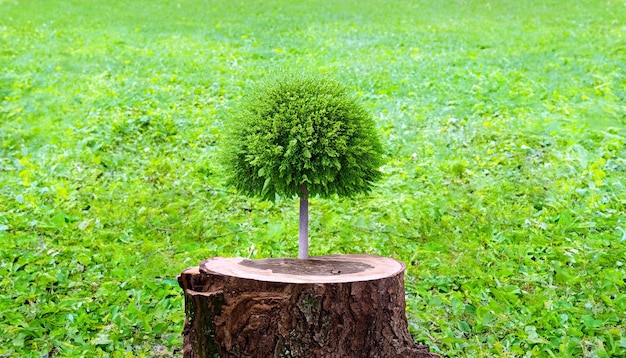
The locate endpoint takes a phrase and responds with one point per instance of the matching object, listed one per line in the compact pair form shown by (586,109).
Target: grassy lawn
(503,191)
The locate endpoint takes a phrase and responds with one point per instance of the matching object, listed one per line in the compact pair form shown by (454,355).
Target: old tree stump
(327,306)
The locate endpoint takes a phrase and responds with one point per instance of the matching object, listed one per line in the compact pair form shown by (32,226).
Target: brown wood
(326,306)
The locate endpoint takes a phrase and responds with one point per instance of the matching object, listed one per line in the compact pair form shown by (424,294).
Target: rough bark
(329,306)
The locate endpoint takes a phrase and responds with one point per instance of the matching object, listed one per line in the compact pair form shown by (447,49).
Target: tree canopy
(300,135)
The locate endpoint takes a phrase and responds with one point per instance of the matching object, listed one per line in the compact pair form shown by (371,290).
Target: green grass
(505,129)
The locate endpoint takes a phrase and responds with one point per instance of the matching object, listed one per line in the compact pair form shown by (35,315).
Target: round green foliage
(299,132)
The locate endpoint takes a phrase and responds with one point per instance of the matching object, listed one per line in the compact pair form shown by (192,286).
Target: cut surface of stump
(326,306)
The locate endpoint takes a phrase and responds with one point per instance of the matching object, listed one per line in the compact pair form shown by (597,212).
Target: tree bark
(328,306)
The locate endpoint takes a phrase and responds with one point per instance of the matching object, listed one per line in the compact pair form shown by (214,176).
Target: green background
(503,188)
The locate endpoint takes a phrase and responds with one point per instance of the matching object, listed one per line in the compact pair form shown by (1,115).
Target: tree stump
(327,306)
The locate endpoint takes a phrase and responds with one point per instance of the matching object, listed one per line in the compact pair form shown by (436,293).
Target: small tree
(302,135)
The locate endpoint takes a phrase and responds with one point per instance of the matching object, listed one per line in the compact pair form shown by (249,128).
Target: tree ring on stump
(321,269)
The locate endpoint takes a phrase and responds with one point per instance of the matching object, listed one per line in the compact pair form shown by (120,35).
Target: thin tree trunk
(303,234)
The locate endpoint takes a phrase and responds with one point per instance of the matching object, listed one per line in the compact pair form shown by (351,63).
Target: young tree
(302,135)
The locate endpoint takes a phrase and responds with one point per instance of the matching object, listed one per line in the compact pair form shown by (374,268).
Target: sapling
(301,136)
